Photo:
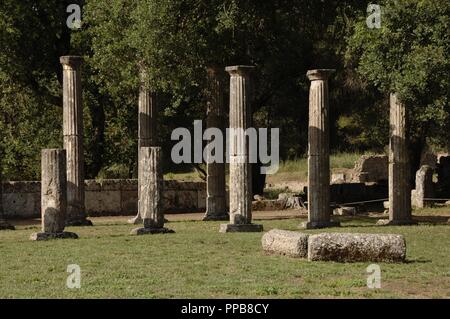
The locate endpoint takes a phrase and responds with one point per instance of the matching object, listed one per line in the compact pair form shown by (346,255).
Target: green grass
(199,262)
(297,170)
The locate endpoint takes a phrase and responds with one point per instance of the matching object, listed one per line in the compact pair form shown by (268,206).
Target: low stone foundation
(105,198)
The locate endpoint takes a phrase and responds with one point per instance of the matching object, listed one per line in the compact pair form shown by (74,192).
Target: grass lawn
(199,262)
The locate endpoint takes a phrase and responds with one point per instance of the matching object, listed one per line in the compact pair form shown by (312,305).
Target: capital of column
(71,61)
(319,74)
(243,70)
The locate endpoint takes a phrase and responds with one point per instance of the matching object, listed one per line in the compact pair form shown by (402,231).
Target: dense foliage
(176,40)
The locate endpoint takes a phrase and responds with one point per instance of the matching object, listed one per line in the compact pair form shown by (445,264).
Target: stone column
(424,187)
(147,123)
(53,196)
(240,168)
(73,140)
(3,223)
(151,183)
(319,210)
(215,181)
(399,170)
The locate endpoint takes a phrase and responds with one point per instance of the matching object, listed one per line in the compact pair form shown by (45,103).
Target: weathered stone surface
(258,197)
(338,178)
(424,187)
(53,196)
(345,211)
(54,190)
(319,210)
(215,201)
(371,168)
(150,191)
(23,199)
(399,169)
(236,228)
(284,242)
(147,124)
(240,169)
(48,236)
(352,247)
(150,187)
(294,202)
(73,140)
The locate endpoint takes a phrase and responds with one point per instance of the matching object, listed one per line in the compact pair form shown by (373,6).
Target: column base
(151,231)
(79,222)
(387,222)
(240,228)
(135,220)
(47,236)
(218,217)
(4,225)
(318,225)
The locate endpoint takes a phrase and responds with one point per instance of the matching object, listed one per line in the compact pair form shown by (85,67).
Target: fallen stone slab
(49,236)
(352,247)
(284,242)
(151,231)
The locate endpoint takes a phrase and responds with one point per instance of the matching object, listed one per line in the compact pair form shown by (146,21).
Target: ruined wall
(105,198)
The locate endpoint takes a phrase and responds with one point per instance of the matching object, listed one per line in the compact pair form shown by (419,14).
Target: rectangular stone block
(354,247)
(284,242)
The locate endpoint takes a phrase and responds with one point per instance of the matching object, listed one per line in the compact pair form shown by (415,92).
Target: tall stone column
(240,168)
(151,184)
(73,140)
(319,210)
(53,196)
(399,169)
(215,180)
(3,223)
(147,121)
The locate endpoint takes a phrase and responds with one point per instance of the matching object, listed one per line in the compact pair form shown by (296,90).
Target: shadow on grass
(418,261)
(432,219)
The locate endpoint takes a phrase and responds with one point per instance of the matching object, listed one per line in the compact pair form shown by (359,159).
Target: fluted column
(240,169)
(319,210)
(399,169)
(3,223)
(73,140)
(147,123)
(53,196)
(151,183)
(147,114)
(215,180)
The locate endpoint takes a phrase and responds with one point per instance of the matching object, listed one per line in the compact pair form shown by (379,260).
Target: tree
(410,55)
(177,40)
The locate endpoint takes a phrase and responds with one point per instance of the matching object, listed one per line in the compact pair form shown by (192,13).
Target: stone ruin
(63,182)
(424,187)
(371,168)
(53,196)
(240,170)
(340,247)
(150,192)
